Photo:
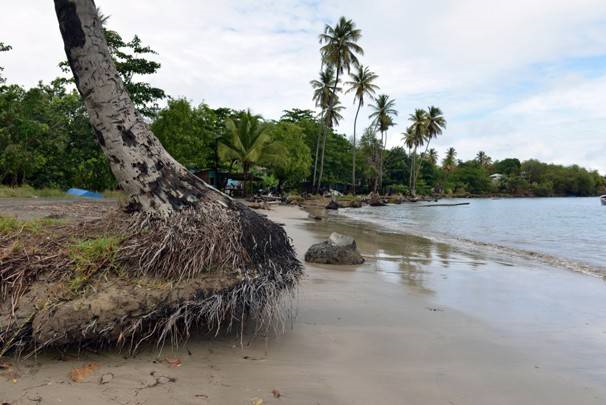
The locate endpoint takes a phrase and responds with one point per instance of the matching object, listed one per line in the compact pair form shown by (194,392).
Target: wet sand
(418,323)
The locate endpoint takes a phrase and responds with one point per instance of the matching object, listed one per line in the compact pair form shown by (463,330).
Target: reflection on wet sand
(397,257)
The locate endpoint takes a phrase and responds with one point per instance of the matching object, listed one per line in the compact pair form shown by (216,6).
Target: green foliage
(3,48)
(269,181)
(508,167)
(472,177)
(46,140)
(248,142)
(294,165)
(130,58)
(187,132)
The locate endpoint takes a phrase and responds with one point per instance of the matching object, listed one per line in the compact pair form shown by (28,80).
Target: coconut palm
(431,156)
(483,159)
(434,123)
(450,161)
(324,88)
(340,50)
(332,116)
(247,142)
(362,85)
(187,228)
(369,148)
(383,111)
(416,135)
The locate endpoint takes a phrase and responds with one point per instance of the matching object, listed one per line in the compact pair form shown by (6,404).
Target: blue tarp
(84,193)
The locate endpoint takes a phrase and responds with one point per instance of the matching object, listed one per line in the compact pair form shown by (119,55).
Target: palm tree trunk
(330,106)
(318,139)
(381,162)
(418,168)
(412,172)
(154,180)
(353,171)
(324,131)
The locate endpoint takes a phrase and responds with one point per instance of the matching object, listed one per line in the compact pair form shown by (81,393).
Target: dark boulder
(375,200)
(355,204)
(333,205)
(338,249)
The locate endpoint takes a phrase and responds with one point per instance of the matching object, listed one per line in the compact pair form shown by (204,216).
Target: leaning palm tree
(211,259)
(324,88)
(450,161)
(340,50)
(383,112)
(362,84)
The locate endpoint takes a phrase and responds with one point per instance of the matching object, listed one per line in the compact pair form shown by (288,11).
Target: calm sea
(565,231)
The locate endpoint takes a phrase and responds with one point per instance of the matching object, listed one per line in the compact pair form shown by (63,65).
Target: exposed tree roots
(128,279)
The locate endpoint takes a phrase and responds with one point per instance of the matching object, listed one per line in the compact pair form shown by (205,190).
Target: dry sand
(419,323)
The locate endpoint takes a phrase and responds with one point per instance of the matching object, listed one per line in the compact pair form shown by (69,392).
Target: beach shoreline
(420,322)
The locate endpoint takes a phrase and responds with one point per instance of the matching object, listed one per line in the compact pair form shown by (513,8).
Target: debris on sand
(173,362)
(106,378)
(80,374)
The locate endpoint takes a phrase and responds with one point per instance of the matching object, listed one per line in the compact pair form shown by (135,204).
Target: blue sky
(523,78)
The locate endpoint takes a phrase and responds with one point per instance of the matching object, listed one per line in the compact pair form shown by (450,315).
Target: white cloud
(494,67)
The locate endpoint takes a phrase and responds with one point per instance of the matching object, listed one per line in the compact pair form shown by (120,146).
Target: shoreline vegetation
(47,142)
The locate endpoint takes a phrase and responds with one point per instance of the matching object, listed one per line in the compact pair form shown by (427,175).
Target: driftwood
(444,205)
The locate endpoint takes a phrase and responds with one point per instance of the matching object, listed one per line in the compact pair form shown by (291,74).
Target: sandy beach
(419,323)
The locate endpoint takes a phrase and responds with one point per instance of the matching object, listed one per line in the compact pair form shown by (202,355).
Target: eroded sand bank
(419,323)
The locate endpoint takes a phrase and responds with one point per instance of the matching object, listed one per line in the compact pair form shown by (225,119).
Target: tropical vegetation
(46,141)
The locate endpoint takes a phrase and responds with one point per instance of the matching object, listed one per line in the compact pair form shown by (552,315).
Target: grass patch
(11,224)
(30,192)
(117,195)
(90,256)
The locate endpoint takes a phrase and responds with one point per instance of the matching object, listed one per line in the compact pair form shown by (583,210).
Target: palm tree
(362,85)
(434,123)
(332,116)
(382,118)
(247,142)
(369,146)
(483,159)
(324,88)
(340,50)
(416,136)
(431,156)
(450,161)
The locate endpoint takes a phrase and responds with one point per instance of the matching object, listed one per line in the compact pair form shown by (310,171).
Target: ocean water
(570,232)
